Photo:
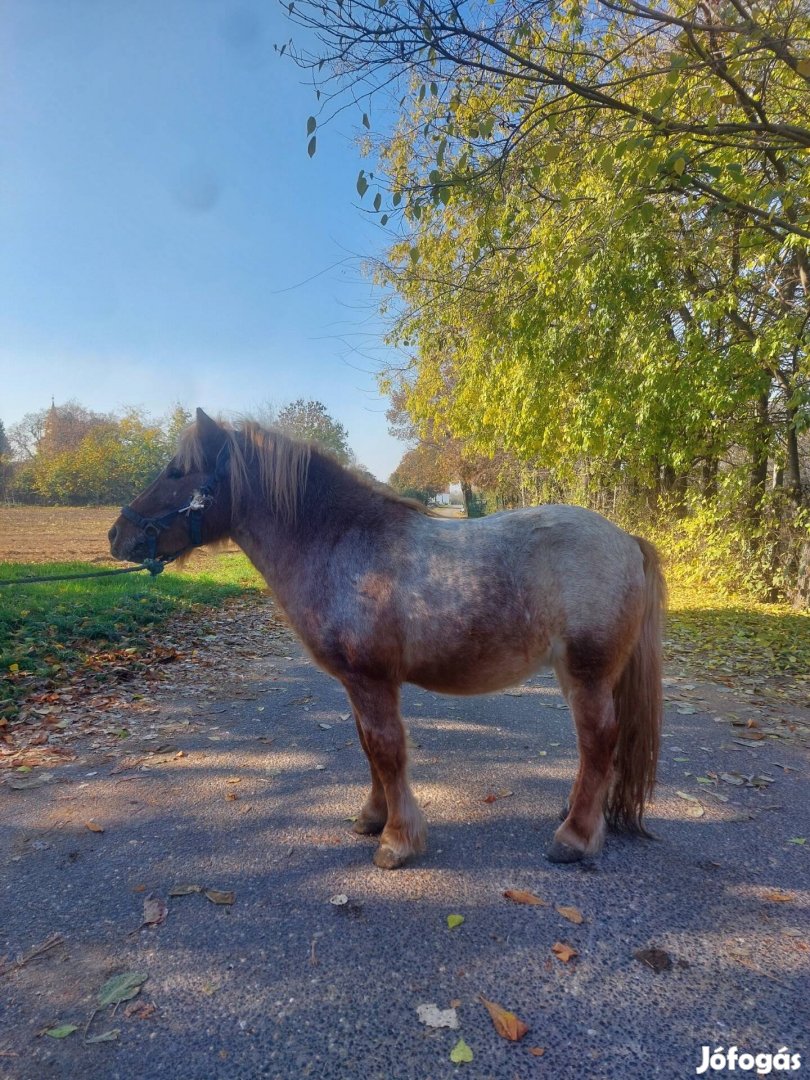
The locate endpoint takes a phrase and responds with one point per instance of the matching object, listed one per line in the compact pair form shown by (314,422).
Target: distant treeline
(69,455)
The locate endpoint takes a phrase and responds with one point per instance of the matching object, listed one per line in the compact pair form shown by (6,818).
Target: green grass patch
(725,634)
(51,628)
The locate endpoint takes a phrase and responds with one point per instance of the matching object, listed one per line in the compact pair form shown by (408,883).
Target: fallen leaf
(217,897)
(121,988)
(454,920)
(563,952)
(184,890)
(506,1023)
(521,896)
(494,796)
(339,899)
(155,911)
(800,840)
(24,783)
(105,1036)
(573,914)
(140,1009)
(434,1017)
(61,1032)
(461,1053)
(695,809)
(779,897)
(656,959)
(537,1051)
(94,826)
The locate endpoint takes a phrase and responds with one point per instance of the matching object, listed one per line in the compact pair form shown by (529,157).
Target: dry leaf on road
(506,1023)
(217,897)
(573,914)
(563,952)
(521,896)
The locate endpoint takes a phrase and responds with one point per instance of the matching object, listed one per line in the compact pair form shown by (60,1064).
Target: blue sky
(158,209)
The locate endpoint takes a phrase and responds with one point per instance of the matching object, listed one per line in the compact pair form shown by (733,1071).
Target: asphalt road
(282,983)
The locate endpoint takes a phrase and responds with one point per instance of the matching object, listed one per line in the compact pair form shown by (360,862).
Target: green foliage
(68,455)
(604,259)
(310,421)
(110,464)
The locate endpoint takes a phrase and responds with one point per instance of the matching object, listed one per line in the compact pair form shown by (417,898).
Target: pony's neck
(283,546)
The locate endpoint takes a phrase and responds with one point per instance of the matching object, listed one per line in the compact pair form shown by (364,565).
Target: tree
(176,423)
(310,421)
(421,474)
(5,461)
(602,260)
(110,464)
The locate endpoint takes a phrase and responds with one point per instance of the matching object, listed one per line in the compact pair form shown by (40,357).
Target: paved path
(282,983)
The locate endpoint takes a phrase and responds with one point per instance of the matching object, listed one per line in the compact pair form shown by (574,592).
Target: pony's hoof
(387,859)
(368,826)
(563,853)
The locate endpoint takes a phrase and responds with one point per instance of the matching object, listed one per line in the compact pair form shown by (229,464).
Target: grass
(726,635)
(49,629)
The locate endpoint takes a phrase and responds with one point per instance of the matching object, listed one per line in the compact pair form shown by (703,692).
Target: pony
(382,592)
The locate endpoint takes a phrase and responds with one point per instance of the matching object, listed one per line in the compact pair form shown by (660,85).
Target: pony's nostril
(112,534)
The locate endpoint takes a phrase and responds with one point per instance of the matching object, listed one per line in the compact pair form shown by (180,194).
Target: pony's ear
(212,437)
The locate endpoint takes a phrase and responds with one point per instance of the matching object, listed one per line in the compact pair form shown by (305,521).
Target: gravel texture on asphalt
(283,983)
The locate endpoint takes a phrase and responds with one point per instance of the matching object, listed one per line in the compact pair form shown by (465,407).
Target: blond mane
(282,465)
(279,463)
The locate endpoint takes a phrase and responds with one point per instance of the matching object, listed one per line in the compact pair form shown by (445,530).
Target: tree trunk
(709,478)
(794,469)
(758,476)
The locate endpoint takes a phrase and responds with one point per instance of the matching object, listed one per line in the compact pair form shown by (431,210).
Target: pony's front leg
(376,706)
(374,811)
(583,829)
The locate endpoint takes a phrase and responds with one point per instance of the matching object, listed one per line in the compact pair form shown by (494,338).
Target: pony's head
(189,504)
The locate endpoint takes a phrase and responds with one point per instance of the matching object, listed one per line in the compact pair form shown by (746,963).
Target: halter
(153,527)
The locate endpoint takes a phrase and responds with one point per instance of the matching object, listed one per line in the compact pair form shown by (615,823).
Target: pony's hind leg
(374,811)
(382,735)
(583,829)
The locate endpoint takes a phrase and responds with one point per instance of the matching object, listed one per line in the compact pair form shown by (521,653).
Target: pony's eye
(174,473)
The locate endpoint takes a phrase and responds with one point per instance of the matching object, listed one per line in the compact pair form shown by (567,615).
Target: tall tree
(605,221)
(310,420)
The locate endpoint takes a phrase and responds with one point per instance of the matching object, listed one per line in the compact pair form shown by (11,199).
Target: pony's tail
(638,703)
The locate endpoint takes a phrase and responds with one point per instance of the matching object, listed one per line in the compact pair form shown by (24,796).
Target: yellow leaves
(573,914)
(521,896)
(454,920)
(94,826)
(563,952)
(461,1053)
(506,1023)
(776,896)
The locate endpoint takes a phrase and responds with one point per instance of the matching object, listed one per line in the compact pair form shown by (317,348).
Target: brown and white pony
(382,593)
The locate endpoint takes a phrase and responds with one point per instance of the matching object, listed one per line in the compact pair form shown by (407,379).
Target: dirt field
(55,533)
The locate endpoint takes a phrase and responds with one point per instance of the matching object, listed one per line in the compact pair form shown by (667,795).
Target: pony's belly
(476,678)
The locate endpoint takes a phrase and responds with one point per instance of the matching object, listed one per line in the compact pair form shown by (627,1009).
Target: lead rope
(154,566)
